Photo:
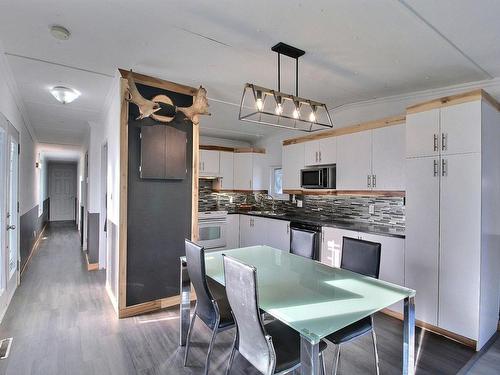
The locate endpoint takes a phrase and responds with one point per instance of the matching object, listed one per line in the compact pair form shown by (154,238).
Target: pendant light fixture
(274,108)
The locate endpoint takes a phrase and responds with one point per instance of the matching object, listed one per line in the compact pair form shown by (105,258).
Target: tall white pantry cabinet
(453,216)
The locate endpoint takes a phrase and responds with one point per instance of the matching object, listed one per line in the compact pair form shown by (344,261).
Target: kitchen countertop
(383,230)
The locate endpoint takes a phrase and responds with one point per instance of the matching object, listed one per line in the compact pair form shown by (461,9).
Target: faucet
(263,196)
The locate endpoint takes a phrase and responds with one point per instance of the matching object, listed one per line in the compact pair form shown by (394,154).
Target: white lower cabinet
(392,260)
(256,231)
(233,231)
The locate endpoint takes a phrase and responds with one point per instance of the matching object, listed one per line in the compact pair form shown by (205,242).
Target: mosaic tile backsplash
(388,211)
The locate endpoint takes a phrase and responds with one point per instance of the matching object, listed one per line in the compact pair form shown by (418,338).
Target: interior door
(3,212)
(12,224)
(62,192)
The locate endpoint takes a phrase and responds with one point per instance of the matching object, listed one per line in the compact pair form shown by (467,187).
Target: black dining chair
(303,243)
(212,306)
(273,348)
(361,257)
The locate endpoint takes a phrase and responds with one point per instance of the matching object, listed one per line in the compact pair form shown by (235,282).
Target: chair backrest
(195,258)
(241,289)
(303,243)
(361,256)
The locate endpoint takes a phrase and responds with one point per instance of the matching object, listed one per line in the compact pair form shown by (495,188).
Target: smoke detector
(60,32)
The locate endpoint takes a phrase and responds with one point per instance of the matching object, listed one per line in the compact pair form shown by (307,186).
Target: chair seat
(351,331)
(219,294)
(286,342)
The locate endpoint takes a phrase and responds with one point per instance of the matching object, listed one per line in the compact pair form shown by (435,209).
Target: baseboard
(151,306)
(91,266)
(34,248)
(437,330)
(112,298)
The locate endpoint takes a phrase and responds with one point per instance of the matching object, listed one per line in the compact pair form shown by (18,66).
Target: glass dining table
(310,297)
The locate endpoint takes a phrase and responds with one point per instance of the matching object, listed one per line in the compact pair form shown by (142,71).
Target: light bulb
(296,113)
(279,109)
(312,117)
(259,104)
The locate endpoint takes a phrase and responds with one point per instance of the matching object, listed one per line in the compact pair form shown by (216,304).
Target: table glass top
(310,297)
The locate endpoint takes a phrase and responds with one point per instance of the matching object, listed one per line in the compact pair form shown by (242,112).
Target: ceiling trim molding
(417,15)
(12,86)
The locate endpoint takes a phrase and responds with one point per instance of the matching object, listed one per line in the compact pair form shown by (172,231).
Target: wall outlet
(299,203)
(371,209)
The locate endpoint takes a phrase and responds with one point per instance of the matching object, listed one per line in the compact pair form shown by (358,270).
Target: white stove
(212,229)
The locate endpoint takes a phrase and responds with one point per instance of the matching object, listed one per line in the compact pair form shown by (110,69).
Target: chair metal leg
(322,362)
(231,356)
(374,336)
(336,358)
(210,347)
(188,339)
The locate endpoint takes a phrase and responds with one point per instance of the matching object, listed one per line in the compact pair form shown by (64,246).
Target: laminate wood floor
(63,323)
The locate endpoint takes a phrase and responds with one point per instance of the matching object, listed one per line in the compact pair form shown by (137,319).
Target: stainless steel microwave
(324,177)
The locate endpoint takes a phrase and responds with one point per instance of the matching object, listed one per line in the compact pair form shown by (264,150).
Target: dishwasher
(314,228)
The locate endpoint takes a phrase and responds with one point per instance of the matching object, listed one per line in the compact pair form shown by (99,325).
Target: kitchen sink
(266,213)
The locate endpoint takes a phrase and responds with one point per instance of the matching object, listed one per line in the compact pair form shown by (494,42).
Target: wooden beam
(465,97)
(440,331)
(255,150)
(159,83)
(381,123)
(364,193)
(216,148)
(91,266)
(122,224)
(195,183)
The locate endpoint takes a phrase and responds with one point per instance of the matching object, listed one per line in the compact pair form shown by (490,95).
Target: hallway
(63,323)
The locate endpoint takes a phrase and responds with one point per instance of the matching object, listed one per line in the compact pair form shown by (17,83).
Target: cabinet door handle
(287,228)
(436,147)
(320,156)
(436,168)
(374,180)
(444,167)
(250,183)
(444,141)
(369,181)
(316,154)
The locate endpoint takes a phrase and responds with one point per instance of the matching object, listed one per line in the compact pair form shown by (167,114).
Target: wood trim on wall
(195,183)
(216,148)
(33,250)
(236,150)
(365,193)
(363,126)
(122,225)
(159,83)
(445,101)
(440,331)
(91,266)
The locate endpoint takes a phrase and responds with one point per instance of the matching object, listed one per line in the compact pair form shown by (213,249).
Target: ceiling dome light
(60,32)
(63,94)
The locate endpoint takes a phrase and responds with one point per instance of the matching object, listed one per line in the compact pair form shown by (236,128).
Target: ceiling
(355,50)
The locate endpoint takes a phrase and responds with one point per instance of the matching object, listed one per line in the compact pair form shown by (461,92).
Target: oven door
(311,178)
(212,234)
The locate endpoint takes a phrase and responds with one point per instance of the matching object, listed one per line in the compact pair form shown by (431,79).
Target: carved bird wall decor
(199,107)
(146,107)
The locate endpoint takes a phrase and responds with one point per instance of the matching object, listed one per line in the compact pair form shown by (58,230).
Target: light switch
(371,209)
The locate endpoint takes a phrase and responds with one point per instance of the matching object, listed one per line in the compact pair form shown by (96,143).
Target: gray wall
(31,225)
(93,237)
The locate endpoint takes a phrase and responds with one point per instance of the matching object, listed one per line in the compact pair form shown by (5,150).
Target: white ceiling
(355,50)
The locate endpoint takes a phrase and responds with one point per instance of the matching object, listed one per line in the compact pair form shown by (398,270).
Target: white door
(461,128)
(311,153)
(62,182)
(243,171)
(328,150)
(460,244)
(209,162)
(422,235)
(9,212)
(293,162)
(226,170)
(422,134)
(389,157)
(354,161)
(278,233)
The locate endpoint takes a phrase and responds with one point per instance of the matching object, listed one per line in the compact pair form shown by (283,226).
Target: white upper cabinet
(388,158)
(209,163)
(461,128)
(422,134)
(354,161)
(249,171)
(321,152)
(292,162)
(226,170)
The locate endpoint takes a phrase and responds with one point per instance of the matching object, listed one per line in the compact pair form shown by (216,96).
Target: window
(276,182)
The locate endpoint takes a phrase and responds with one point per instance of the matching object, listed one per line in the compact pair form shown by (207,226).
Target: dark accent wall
(158,213)
(93,237)
(30,227)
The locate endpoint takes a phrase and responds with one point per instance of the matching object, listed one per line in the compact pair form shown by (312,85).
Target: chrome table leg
(409,336)
(309,357)
(185,304)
